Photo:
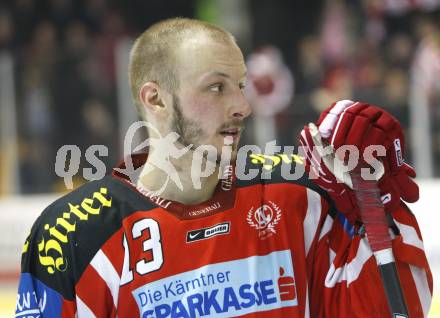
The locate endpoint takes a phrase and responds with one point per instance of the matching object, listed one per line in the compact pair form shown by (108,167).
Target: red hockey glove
(360,125)
(324,167)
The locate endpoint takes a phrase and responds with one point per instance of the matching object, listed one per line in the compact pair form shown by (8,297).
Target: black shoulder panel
(70,231)
(277,168)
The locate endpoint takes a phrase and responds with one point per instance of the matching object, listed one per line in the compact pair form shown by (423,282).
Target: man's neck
(180,182)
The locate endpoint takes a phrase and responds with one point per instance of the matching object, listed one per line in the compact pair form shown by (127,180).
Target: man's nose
(241,108)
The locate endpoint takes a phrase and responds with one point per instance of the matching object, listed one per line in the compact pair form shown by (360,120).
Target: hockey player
(142,245)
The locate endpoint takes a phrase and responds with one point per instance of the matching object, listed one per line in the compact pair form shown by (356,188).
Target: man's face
(209,105)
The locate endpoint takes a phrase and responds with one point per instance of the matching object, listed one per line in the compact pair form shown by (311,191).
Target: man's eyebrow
(221,74)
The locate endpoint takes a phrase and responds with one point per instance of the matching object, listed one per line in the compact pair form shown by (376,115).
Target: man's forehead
(204,56)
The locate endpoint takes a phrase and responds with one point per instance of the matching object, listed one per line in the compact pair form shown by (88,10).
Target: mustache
(237,123)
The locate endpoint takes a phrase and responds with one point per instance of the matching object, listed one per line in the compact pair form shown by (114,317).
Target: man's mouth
(230,132)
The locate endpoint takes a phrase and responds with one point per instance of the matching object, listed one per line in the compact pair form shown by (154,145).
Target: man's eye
(217,88)
(242,85)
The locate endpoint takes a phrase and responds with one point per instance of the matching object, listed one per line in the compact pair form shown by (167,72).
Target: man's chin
(217,156)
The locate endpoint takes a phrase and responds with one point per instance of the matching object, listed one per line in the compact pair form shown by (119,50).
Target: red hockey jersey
(259,248)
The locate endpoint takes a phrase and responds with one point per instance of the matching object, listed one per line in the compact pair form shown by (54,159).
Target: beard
(189,130)
(191,133)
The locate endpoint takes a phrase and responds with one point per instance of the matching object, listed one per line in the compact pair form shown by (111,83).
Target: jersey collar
(223,198)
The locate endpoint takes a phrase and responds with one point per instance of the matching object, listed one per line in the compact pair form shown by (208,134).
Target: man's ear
(150,97)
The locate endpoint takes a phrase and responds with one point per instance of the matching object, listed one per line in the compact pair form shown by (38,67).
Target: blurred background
(63,81)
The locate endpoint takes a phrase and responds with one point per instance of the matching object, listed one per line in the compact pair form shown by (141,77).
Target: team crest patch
(264,219)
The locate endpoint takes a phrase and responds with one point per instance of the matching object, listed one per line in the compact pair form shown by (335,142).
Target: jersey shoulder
(70,231)
(275,169)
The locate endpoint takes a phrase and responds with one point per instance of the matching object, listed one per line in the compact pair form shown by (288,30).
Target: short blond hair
(153,58)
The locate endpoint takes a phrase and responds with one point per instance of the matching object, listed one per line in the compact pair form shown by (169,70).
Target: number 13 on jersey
(151,245)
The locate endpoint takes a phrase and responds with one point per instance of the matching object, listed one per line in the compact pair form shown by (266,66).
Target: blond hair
(153,58)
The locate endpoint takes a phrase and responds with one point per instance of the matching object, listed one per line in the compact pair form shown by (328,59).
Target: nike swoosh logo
(191,236)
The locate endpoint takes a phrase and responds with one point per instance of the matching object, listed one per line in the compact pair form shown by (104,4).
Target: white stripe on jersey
(349,272)
(326,227)
(105,269)
(409,235)
(312,218)
(331,255)
(307,309)
(82,311)
(421,281)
